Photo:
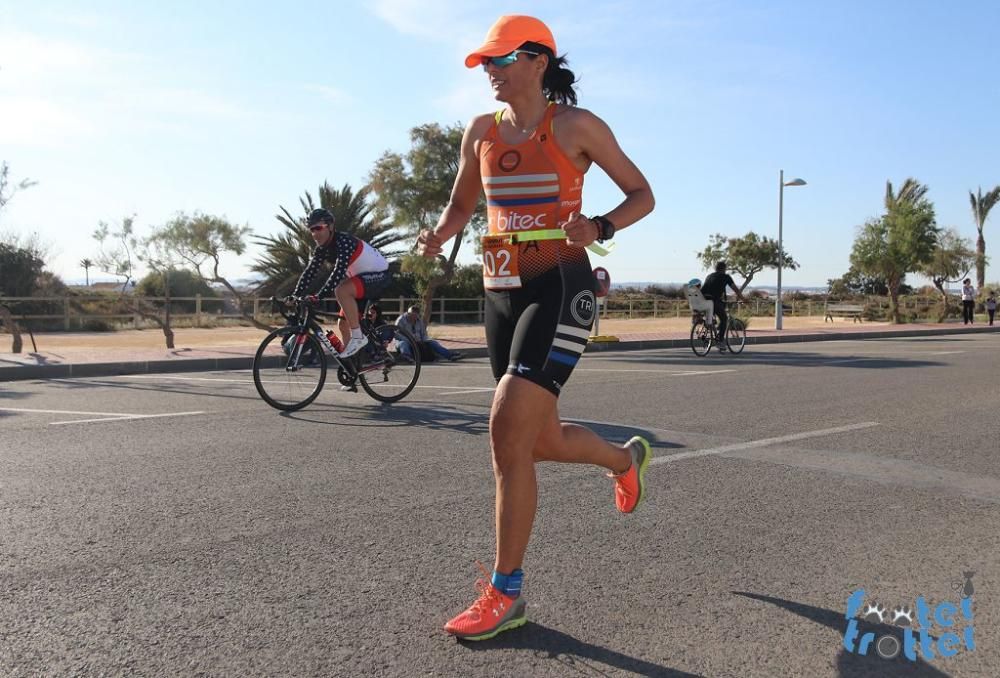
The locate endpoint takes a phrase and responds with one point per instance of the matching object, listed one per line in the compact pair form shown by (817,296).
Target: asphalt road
(175,525)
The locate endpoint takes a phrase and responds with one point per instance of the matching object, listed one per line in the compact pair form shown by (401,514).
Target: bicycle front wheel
(736,335)
(702,338)
(289,369)
(389,376)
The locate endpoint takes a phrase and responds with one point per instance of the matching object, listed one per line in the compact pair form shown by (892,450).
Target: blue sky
(234,108)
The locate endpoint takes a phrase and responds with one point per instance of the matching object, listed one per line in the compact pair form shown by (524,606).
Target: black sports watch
(605,229)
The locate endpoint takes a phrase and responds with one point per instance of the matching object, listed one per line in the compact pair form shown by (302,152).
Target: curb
(73,370)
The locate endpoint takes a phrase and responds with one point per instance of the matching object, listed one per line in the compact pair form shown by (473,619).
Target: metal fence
(89,312)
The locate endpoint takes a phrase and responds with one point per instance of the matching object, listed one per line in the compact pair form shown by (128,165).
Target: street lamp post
(781,250)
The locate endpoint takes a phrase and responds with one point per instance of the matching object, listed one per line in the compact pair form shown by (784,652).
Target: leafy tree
(287,254)
(120,258)
(900,241)
(116,249)
(465,283)
(201,241)
(950,262)
(21,270)
(183,283)
(747,256)
(8,189)
(981,206)
(412,191)
(21,265)
(856,283)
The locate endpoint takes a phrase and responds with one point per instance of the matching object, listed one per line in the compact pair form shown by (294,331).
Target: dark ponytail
(557,81)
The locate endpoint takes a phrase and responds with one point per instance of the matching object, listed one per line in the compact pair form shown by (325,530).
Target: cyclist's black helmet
(318,215)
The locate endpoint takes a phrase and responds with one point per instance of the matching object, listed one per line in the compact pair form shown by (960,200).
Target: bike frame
(303,322)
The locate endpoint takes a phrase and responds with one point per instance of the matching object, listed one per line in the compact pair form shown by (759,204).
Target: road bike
(290,366)
(705,332)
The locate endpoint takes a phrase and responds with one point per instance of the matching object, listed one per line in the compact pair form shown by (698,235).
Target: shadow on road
(436,417)
(573,657)
(849,664)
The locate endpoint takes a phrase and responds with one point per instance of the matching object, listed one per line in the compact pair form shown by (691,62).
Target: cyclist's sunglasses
(506,60)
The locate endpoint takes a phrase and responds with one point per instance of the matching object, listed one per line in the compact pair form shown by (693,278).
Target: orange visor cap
(509,33)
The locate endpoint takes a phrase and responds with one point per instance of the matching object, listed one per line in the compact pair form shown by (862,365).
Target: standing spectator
(968,301)
(991,307)
(414,324)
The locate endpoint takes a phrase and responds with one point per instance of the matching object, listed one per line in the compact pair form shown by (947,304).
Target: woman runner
(530,158)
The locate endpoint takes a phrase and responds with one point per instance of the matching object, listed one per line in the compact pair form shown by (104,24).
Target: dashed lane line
(97,416)
(763,442)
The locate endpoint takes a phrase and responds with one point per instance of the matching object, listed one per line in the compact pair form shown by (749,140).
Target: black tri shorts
(538,332)
(368,287)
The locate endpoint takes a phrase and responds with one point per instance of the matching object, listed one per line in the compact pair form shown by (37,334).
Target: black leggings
(968,307)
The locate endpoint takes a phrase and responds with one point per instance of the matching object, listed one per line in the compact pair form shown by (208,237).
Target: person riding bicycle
(714,289)
(360,272)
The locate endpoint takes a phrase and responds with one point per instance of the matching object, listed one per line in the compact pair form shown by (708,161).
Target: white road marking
(468,390)
(764,442)
(126,418)
(100,414)
(159,377)
(669,373)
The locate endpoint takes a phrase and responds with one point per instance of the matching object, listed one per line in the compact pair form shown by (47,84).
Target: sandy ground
(250,336)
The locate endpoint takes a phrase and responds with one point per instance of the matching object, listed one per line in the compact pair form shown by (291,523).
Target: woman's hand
(580,231)
(429,244)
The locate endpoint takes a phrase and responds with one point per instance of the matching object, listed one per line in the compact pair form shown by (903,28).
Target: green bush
(96,325)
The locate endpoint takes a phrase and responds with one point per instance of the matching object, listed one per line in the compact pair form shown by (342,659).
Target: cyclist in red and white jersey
(360,272)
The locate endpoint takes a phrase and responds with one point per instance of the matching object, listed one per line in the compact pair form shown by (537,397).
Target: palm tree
(86,264)
(911,192)
(981,206)
(287,254)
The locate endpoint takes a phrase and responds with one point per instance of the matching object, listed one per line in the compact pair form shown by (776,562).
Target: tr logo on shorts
(583,307)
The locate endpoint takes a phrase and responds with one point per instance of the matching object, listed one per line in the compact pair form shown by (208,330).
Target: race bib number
(500,271)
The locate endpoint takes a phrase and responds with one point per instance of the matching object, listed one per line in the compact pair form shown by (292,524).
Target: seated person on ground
(414,324)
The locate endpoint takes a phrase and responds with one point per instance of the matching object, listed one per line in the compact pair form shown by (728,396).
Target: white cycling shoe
(353,346)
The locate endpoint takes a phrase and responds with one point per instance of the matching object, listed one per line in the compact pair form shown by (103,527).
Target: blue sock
(508,584)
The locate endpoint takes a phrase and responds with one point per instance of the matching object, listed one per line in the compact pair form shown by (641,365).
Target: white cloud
(438,21)
(33,121)
(330,94)
(25,59)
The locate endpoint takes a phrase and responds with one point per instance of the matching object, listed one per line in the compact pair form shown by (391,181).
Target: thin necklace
(527,130)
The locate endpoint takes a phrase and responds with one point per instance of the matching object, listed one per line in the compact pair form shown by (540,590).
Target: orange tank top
(531,186)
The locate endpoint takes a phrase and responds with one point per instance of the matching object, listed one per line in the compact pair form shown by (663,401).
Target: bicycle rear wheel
(702,338)
(736,335)
(387,376)
(289,369)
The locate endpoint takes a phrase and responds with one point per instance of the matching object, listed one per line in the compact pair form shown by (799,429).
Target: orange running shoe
(630,484)
(492,613)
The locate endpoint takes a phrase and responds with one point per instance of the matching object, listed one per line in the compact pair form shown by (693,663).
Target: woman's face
(522,76)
